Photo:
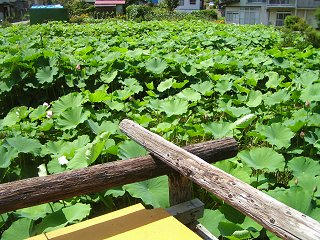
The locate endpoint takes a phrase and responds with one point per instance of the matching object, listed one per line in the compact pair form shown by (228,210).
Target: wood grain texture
(180,188)
(275,216)
(35,191)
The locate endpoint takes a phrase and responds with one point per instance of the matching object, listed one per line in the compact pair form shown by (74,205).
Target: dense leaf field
(64,88)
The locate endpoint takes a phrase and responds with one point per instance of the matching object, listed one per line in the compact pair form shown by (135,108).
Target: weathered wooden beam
(35,191)
(275,216)
(187,212)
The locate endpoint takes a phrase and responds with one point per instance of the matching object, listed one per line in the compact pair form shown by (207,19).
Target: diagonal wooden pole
(275,216)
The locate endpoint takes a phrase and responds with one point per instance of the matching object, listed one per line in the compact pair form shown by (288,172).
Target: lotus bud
(78,67)
(49,114)
(302,134)
(296,181)
(307,104)
(46,104)
(63,160)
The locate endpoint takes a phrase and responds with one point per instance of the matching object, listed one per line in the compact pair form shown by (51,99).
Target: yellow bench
(131,223)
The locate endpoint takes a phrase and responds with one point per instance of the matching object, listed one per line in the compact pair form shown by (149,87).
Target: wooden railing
(38,190)
(183,166)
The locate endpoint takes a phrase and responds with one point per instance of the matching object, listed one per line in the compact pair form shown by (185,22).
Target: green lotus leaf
(15,115)
(307,77)
(72,117)
(295,197)
(218,129)
(130,149)
(109,77)
(174,106)
(154,192)
(25,145)
(223,86)
(51,222)
(211,220)
(276,134)
(278,97)
(190,95)
(99,96)
(274,80)
(204,88)
(189,70)
(7,154)
(254,98)
(311,93)
(19,230)
(67,101)
(36,212)
(115,192)
(304,165)
(76,212)
(156,65)
(263,158)
(38,113)
(45,75)
(106,126)
(164,85)
(233,231)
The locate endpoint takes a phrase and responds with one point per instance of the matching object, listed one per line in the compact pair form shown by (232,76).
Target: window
(181,3)
(192,2)
(249,15)
(281,16)
(232,17)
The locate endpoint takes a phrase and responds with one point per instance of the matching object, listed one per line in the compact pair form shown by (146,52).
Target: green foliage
(171,4)
(63,95)
(295,25)
(138,12)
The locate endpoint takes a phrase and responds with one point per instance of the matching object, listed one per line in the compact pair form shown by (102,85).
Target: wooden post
(180,188)
(34,191)
(284,221)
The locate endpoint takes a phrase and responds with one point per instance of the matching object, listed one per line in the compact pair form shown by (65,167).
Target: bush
(313,36)
(205,14)
(5,24)
(145,12)
(295,23)
(76,7)
(138,12)
(297,32)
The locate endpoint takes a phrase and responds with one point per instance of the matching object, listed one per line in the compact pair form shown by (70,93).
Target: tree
(318,16)
(171,4)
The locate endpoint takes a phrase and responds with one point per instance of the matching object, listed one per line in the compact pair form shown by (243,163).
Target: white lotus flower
(49,114)
(63,160)
(46,104)
(42,170)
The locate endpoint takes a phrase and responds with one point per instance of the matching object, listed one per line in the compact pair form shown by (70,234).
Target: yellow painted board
(132,223)
(39,237)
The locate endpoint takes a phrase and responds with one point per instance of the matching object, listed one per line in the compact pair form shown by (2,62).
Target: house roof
(106,3)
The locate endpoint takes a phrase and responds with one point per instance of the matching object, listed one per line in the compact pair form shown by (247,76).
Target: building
(108,5)
(12,9)
(270,12)
(189,5)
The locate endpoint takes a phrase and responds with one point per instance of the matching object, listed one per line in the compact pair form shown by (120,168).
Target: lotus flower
(78,67)
(49,114)
(46,104)
(63,160)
